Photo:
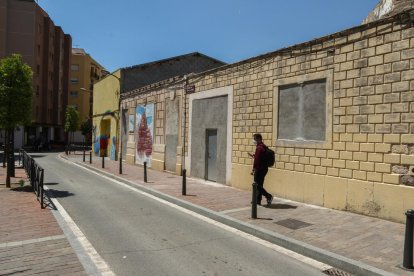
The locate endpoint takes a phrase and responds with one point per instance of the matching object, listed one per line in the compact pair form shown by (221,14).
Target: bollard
(145,172)
(103,162)
(408,243)
(254,200)
(184,188)
(66,150)
(83,153)
(90,157)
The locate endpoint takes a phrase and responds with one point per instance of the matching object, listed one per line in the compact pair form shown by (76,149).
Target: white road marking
(290,253)
(87,246)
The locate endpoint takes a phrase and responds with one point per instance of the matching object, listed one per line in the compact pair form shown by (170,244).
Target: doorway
(211,155)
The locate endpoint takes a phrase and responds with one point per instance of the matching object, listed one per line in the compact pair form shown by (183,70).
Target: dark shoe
(269,200)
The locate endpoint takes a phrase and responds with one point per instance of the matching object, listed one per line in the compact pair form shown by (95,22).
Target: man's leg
(259,179)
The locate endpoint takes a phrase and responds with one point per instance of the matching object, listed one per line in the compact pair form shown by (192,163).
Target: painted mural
(131,123)
(144,133)
(112,154)
(95,141)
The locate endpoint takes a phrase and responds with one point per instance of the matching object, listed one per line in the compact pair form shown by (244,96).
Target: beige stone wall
(157,96)
(363,164)
(370,134)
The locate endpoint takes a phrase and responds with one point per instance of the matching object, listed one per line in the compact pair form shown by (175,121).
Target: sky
(122,33)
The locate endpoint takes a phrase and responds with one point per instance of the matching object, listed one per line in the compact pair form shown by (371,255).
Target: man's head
(257,137)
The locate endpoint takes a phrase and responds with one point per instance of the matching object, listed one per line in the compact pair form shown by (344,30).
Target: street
(137,235)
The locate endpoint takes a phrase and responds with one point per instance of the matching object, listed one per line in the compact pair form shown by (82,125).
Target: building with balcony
(84,72)
(26,29)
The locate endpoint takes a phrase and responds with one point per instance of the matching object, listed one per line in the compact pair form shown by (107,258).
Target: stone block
(399,149)
(398,169)
(407,180)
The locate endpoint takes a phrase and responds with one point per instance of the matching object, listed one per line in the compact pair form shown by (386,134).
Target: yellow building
(105,115)
(84,72)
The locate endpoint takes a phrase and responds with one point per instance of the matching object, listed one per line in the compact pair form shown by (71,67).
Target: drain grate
(335,272)
(293,223)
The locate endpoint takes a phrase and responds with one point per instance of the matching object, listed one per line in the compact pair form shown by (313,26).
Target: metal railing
(35,174)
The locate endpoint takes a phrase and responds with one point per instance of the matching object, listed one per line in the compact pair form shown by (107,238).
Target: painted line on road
(287,252)
(79,242)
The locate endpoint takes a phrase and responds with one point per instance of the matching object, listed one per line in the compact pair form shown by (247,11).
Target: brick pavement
(31,241)
(373,241)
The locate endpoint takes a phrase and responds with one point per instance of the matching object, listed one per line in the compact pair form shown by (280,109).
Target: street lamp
(105,73)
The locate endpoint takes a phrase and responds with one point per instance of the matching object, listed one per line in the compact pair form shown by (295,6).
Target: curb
(321,255)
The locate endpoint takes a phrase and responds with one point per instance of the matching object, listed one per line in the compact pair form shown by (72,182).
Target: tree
(15,102)
(86,129)
(71,120)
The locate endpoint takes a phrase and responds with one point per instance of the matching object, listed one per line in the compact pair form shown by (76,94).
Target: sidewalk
(31,240)
(375,242)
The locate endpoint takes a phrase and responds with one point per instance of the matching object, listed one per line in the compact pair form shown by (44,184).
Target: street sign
(189,88)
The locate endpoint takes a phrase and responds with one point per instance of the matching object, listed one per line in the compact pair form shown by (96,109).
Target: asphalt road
(137,235)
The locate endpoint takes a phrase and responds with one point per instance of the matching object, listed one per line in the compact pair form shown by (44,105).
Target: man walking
(260,169)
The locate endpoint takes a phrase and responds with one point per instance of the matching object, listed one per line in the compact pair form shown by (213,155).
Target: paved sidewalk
(31,241)
(372,241)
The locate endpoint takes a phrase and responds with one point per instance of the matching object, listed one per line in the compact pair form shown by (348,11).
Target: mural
(131,123)
(104,137)
(112,155)
(144,133)
(95,141)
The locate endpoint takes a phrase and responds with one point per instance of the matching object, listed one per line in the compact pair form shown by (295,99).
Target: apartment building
(84,72)
(26,29)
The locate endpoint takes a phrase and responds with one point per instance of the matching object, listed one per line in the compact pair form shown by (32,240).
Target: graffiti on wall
(144,133)
(112,155)
(131,123)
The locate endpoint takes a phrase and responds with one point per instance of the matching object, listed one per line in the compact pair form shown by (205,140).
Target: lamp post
(104,72)
(90,92)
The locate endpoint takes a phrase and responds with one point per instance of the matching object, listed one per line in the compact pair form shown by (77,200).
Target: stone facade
(364,164)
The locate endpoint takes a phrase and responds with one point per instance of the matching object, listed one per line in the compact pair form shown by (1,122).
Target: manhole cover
(293,223)
(335,272)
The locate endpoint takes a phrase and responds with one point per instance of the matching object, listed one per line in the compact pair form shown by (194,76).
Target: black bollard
(184,188)
(83,153)
(90,157)
(254,200)
(145,172)
(103,162)
(408,243)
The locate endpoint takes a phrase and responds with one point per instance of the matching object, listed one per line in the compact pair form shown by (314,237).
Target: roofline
(169,59)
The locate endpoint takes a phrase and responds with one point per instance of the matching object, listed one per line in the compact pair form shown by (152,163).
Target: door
(211,154)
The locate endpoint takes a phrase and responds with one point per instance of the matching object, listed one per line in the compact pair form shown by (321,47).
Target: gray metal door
(211,154)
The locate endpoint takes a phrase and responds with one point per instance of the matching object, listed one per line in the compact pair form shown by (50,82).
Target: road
(138,235)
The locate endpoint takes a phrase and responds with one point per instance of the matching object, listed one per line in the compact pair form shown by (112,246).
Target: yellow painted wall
(105,106)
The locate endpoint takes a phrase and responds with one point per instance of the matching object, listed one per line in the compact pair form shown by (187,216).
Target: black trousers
(259,177)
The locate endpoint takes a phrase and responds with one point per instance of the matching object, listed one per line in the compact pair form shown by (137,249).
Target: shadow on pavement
(281,206)
(60,194)
(51,183)
(27,189)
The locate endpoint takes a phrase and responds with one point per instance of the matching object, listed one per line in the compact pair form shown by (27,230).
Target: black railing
(35,174)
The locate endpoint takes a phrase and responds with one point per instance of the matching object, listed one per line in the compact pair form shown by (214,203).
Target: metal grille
(336,272)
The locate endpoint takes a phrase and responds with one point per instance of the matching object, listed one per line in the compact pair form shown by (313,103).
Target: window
(303,113)
(74,80)
(73,93)
(37,90)
(38,69)
(74,67)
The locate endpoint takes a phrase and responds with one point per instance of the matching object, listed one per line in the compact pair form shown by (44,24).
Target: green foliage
(86,127)
(71,119)
(15,92)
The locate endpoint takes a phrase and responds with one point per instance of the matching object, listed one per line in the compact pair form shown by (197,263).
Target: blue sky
(129,32)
